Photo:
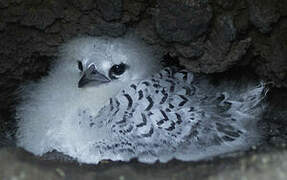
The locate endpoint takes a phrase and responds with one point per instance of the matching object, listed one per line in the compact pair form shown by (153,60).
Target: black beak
(92,75)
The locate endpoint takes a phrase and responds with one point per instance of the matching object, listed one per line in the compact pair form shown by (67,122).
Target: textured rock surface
(182,21)
(263,15)
(206,36)
(261,166)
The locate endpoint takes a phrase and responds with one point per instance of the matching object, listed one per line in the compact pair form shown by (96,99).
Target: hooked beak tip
(80,85)
(82,82)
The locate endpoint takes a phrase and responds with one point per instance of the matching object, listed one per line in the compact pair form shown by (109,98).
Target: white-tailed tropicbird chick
(107,99)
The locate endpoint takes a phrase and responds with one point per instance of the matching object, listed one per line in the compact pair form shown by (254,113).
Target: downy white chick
(108,98)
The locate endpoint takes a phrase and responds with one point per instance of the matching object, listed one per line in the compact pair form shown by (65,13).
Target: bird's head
(107,60)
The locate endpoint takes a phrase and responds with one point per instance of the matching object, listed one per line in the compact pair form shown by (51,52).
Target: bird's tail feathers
(238,104)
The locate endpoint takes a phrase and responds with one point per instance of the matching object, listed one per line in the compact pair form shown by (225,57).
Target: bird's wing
(173,114)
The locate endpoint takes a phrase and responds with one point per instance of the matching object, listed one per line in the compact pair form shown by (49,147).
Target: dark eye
(80,65)
(117,70)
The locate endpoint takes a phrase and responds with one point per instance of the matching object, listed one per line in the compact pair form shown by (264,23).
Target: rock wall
(206,35)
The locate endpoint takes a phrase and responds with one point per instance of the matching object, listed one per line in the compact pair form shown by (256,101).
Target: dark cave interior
(222,38)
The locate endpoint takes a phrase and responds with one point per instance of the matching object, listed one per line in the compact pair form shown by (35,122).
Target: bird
(111,99)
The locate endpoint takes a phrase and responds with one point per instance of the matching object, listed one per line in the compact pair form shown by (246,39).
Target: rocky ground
(19,165)
(207,36)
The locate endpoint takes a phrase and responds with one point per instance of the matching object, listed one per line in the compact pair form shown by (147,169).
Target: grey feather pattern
(170,115)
